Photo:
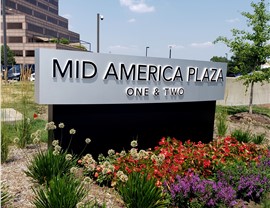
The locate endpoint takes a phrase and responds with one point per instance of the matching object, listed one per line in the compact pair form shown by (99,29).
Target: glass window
(18,53)
(42,6)
(39,15)
(50,33)
(30,53)
(52,20)
(63,24)
(15,39)
(34,2)
(24,9)
(35,28)
(54,2)
(14,25)
(54,11)
(11,4)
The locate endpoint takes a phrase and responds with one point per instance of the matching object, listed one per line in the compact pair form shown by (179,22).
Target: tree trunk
(251,97)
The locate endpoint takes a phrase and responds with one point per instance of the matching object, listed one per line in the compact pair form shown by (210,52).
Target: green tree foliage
(219,59)
(10,56)
(230,63)
(251,48)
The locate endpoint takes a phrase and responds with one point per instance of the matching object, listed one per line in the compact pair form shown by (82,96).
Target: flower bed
(204,174)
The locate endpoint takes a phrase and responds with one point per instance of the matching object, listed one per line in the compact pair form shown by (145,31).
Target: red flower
(162,141)
(35,116)
(206,163)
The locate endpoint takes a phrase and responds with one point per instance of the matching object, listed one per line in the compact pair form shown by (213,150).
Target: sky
(186,27)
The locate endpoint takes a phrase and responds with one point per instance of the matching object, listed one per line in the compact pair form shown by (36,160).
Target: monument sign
(114,99)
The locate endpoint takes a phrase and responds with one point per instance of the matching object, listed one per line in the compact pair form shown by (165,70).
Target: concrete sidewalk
(10,115)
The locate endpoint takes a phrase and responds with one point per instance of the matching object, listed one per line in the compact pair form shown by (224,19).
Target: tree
(251,48)
(10,56)
(219,59)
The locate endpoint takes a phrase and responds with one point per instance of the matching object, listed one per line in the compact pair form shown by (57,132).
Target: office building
(32,24)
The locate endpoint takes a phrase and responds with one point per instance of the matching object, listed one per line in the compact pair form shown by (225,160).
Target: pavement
(10,115)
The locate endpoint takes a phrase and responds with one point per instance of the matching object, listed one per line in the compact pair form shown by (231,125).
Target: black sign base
(115,126)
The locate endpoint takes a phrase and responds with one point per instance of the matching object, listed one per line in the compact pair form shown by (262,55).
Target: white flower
(73,170)
(55,152)
(61,125)
(143,154)
(87,180)
(133,151)
(36,140)
(72,131)
(80,205)
(134,143)
(111,152)
(33,135)
(68,157)
(123,153)
(57,148)
(119,173)
(90,167)
(38,133)
(161,156)
(55,143)
(123,178)
(50,126)
(87,140)
(16,140)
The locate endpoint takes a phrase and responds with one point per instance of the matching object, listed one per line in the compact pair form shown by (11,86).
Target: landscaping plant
(222,125)
(192,191)
(140,191)
(5,195)
(4,143)
(250,181)
(47,165)
(64,191)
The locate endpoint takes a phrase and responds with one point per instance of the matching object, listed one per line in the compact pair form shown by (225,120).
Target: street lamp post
(170,52)
(4,32)
(99,17)
(146,50)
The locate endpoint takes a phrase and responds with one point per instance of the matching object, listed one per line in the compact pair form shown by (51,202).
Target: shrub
(258,139)
(192,191)
(251,181)
(222,125)
(62,191)
(24,128)
(46,165)
(4,144)
(139,191)
(241,136)
(5,196)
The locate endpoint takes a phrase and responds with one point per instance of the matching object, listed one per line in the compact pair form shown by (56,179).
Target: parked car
(32,77)
(14,73)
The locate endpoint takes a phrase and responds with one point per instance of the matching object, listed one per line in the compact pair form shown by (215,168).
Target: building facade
(32,24)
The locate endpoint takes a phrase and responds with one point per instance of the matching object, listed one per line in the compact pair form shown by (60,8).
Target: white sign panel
(72,77)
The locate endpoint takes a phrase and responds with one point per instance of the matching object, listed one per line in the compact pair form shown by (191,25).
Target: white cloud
(175,46)
(138,6)
(67,16)
(132,20)
(202,45)
(232,20)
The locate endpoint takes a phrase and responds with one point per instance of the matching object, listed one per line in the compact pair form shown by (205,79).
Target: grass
(231,110)
(20,96)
